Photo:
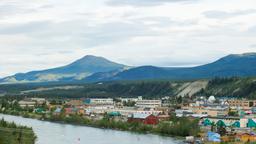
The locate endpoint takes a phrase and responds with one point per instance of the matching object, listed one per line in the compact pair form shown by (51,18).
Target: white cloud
(145,2)
(223,14)
(39,34)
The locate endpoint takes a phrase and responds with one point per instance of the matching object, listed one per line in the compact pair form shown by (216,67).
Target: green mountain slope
(231,87)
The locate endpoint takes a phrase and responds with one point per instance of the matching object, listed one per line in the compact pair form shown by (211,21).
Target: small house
(69,111)
(149,119)
(247,137)
(81,111)
(39,110)
(75,103)
(114,114)
(57,111)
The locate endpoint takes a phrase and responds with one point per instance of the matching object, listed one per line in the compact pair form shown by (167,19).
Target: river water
(54,133)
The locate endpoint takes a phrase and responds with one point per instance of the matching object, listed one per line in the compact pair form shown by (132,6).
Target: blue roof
(87,101)
(213,137)
(58,110)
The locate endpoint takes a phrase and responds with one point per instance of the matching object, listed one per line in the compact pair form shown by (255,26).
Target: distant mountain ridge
(77,70)
(231,65)
(95,69)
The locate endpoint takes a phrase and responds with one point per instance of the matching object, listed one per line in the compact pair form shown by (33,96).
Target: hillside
(241,65)
(220,87)
(75,71)
(230,87)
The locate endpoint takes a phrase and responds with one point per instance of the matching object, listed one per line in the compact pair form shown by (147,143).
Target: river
(54,133)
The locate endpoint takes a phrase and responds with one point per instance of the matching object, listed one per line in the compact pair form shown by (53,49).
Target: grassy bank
(10,133)
(175,127)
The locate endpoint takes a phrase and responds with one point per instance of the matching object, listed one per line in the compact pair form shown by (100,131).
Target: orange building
(246,137)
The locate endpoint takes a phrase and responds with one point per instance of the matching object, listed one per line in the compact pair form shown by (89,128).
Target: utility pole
(20,136)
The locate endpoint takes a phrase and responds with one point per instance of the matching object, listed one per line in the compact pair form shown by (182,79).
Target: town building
(247,137)
(99,105)
(75,103)
(212,112)
(32,102)
(126,111)
(57,111)
(98,101)
(244,104)
(70,111)
(39,101)
(148,103)
(149,119)
(27,103)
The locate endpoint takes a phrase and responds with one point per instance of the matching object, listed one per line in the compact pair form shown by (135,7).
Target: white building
(99,101)
(32,102)
(130,99)
(99,105)
(148,103)
(39,100)
(27,103)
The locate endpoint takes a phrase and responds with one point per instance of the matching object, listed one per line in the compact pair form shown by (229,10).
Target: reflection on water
(54,133)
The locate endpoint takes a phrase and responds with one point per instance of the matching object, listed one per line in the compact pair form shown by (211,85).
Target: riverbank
(10,133)
(57,133)
(185,127)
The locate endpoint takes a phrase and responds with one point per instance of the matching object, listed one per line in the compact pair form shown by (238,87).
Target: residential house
(57,111)
(75,103)
(143,118)
(247,137)
(69,111)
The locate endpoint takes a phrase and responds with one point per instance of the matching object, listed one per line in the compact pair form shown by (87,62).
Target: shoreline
(181,138)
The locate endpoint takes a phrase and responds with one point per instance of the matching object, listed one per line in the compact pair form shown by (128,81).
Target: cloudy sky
(40,34)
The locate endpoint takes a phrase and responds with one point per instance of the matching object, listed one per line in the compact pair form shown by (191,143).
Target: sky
(42,34)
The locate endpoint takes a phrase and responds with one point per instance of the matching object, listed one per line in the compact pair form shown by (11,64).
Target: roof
(58,110)
(114,114)
(139,115)
(214,137)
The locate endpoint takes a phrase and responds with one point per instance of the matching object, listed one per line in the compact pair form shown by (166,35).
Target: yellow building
(246,137)
(242,103)
(212,112)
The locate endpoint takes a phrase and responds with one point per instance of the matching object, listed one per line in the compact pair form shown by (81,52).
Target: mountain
(77,70)
(95,69)
(231,65)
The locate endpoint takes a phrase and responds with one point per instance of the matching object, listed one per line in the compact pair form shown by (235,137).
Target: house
(69,111)
(247,137)
(39,110)
(114,114)
(81,111)
(163,117)
(57,111)
(149,119)
(75,103)
(183,112)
